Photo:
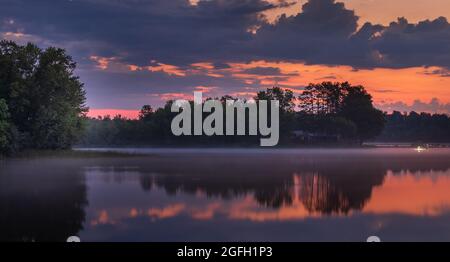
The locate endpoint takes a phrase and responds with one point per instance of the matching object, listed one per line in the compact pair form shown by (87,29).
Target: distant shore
(311,146)
(132,150)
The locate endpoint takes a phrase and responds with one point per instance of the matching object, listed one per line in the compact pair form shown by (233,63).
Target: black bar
(149,251)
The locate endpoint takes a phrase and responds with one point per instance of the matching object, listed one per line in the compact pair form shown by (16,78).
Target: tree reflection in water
(324,184)
(41,200)
(46,199)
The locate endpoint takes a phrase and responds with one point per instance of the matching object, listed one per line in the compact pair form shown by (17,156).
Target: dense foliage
(415,127)
(42,101)
(4,125)
(336,110)
(344,109)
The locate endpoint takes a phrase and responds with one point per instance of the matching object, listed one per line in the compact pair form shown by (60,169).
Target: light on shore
(420,149)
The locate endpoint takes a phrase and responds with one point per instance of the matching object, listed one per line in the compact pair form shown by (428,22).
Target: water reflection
(41,200)
(277,195)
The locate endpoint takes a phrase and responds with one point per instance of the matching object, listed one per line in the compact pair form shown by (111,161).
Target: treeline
(42,106)
(323,113)
(41,101)
(415,127)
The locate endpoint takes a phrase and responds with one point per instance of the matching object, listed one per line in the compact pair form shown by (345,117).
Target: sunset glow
(183,123)
(405,194)
(401,72)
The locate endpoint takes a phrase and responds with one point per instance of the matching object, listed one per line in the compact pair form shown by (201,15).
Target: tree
(352,103)
(4,126)
(357,107)
(415,127)
(46,101)
(323,98)
(146,113)
(285,97)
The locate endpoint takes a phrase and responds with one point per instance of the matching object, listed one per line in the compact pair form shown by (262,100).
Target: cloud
(173,32)
(177,32)
(319,34)
(325,32)
(103,63)
(127,49)
(265,71)
(439,71)
(403,44)
(434,106)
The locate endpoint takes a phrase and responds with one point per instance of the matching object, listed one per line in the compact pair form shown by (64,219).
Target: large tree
(285,97)
(357,107)
(329,100)
(46,101)
(287,100)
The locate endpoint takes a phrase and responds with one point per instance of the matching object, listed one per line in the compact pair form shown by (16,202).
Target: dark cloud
(329,77)
(403,44)
(270,71)
(221,65)
(326,33)
(319,34)
(440,72)
(175,32)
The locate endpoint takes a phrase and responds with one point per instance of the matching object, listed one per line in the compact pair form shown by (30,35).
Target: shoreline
(133,151)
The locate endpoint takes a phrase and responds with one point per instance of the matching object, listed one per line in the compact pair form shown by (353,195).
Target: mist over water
(229,195)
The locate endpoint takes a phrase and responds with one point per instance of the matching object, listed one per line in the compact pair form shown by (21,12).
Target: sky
(136,52)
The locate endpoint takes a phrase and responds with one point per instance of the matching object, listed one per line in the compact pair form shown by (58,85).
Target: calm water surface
(229,195)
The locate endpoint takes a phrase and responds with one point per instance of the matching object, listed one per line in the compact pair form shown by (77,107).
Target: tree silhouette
(285,97)
(146,113)
(44,98)
(346,105)
(357,107)
(415,127)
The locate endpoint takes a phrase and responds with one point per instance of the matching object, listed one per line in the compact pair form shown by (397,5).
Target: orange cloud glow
(103,63)
(386,85)
(168,69)
(166,212)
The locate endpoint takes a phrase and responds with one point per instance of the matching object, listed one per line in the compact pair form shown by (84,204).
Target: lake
(398,194)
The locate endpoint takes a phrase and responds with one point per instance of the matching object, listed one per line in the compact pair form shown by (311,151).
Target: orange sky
(131,114)
(386,85)
(384,11)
